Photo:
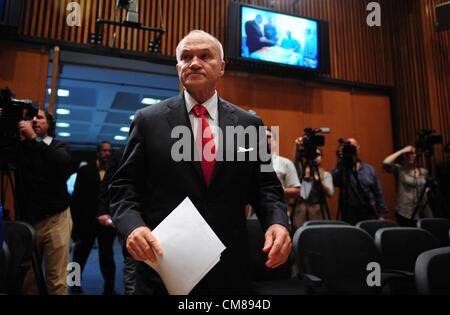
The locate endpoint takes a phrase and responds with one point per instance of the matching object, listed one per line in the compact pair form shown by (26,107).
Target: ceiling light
(63,111)
(64,134)
(132,117)
(62,125)
(125,129)
(61,92)
(150,101)
(120,138)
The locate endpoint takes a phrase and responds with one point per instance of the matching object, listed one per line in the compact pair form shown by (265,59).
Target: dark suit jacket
(104,198)
(149,184)
(254,34)
(84,204)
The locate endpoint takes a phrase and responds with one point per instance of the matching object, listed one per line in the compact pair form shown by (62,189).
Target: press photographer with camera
(411,181)
(316,183)
(361,196)
(44,165)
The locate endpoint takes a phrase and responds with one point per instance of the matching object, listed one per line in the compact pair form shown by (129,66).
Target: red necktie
(206,147)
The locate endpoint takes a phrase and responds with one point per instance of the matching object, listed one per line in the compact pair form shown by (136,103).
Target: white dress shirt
(211,106)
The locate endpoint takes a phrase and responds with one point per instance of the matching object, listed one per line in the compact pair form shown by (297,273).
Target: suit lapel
(226,118)
(177,116)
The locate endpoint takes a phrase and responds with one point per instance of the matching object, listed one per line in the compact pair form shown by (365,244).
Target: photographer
(315,184)
(361,197)
(44,165)
(411,182)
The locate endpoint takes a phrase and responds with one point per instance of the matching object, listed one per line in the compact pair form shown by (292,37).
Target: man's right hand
(142,245)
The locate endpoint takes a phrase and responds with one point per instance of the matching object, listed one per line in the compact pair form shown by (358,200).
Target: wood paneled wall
(293,106)
(421,60)
(23,68)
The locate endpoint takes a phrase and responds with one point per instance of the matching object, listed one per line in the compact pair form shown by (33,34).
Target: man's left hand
(278,244)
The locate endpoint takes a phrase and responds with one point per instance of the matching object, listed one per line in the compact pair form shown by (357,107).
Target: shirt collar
(210,105)
(47,140)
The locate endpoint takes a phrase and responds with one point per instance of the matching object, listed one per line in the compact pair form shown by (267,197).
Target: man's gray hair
(218,43)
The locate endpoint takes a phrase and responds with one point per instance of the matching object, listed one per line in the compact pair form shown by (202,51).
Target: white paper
(190,249)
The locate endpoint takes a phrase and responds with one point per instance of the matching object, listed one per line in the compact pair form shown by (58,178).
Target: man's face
(259,19)
(200,66)
(105,152)
(355,143)
(40,124)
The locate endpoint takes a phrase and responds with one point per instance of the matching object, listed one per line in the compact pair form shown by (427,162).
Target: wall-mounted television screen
(263,35)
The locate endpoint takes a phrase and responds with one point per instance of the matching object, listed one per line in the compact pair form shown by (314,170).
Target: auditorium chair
(432,271)
(372,226)
(333,259)
(399,248)
(439,227)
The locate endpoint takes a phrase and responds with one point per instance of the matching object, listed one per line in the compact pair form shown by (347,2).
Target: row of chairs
(439,227)
(333,258)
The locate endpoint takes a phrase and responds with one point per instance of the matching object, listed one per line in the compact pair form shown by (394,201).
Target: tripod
(7,176)
(431,192)
(10,177)
(314,174)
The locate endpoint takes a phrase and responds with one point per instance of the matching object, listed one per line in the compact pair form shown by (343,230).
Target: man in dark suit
(129,265)
(89,223)
(151,182)
(255,37)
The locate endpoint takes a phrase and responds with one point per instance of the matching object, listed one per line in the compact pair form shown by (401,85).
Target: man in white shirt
(284,168)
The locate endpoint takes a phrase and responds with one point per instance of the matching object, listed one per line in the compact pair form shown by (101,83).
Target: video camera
(347,153)
(311,141)
(426,138)
(11,112)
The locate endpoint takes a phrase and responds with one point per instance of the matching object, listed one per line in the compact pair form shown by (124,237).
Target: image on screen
(2,9)
(279,38)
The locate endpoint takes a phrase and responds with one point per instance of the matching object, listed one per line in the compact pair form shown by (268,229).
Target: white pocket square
(243,150)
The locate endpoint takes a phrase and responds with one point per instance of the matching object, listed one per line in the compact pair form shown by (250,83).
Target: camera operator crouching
(44,164)
(361,197)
